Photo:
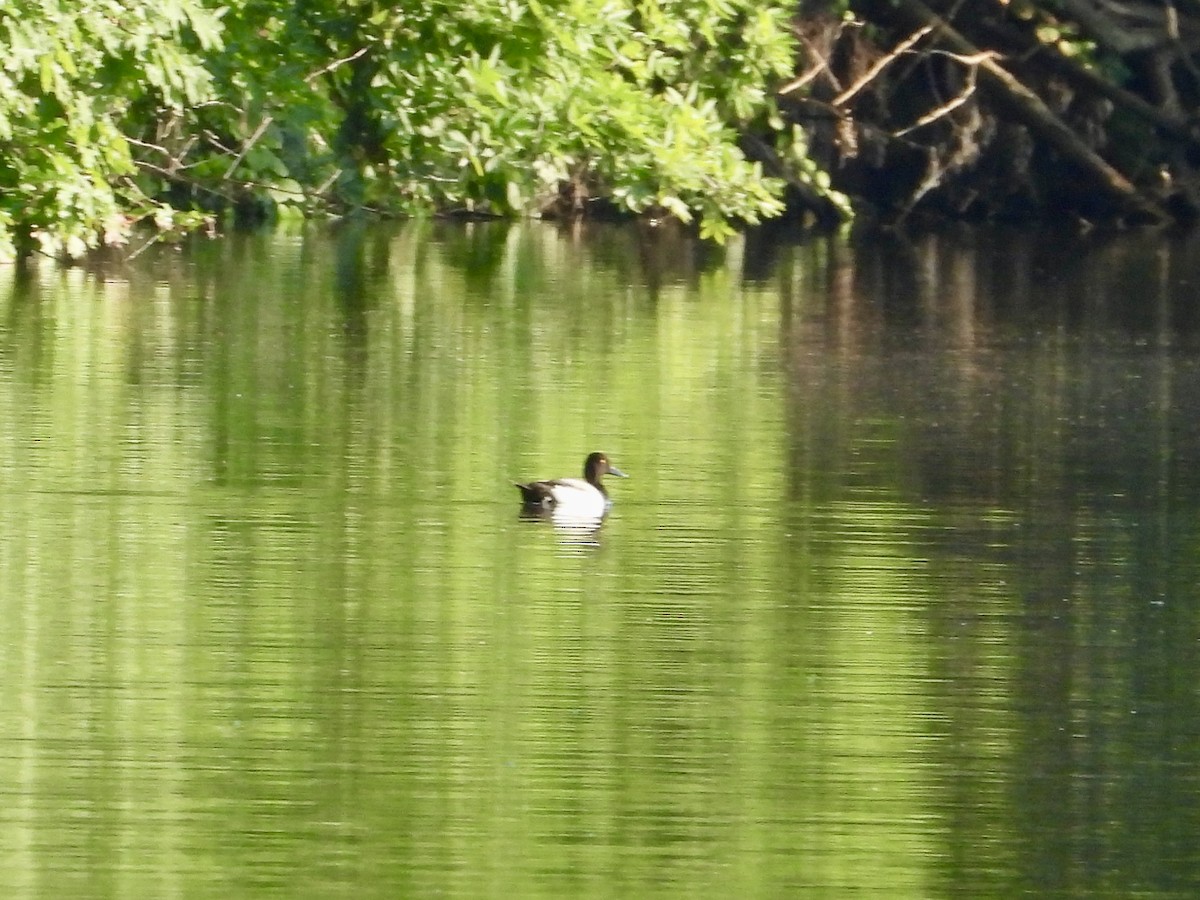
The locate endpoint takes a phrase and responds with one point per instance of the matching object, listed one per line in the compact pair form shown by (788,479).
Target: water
(900,599)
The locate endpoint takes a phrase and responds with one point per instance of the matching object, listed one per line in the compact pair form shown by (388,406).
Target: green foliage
(113,111)
(493,106)
(73,72)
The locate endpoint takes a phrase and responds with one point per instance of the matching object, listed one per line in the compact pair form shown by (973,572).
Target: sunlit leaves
(492,105)
(73,72)
(489,106)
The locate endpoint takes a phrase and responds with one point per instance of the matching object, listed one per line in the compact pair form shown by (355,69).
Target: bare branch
(820,68)
(258,133)
(946,108)
(174,160)
(802,80)
(336,64)
(1129,27)
(1026,107)
(880,64)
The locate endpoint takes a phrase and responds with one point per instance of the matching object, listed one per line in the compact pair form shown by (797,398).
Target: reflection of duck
(570,531)
(583,498)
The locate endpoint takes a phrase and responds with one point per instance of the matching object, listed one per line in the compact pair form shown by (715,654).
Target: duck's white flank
(577,498)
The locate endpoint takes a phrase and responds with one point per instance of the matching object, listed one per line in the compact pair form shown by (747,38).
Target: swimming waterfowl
(582,497)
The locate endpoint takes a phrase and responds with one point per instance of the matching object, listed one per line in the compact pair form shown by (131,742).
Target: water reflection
(571,530)
(1036,410)
(904,599)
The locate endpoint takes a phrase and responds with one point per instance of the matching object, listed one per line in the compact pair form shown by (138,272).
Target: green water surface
(900,599)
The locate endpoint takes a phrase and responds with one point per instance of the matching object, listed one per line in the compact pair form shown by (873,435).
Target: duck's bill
(617,472)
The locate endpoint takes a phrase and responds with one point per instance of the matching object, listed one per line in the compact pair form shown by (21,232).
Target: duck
(576,497)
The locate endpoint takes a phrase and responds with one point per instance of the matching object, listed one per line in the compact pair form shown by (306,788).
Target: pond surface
(902,597)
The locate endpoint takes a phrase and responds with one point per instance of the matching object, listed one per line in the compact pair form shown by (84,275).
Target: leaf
(676,207)
(205,25)
(514,196)
(76,247)
(47,72)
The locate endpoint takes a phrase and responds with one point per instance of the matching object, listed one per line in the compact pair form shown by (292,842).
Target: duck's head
(597,464)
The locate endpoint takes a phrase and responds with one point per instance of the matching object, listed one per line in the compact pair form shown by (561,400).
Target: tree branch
(950,105)
(1130,27)
(880,64)
(1026,107)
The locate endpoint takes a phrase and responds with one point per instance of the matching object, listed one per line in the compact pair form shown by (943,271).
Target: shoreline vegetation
(127,122)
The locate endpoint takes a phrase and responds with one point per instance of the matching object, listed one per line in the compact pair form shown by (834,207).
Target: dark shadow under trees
(986,109)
